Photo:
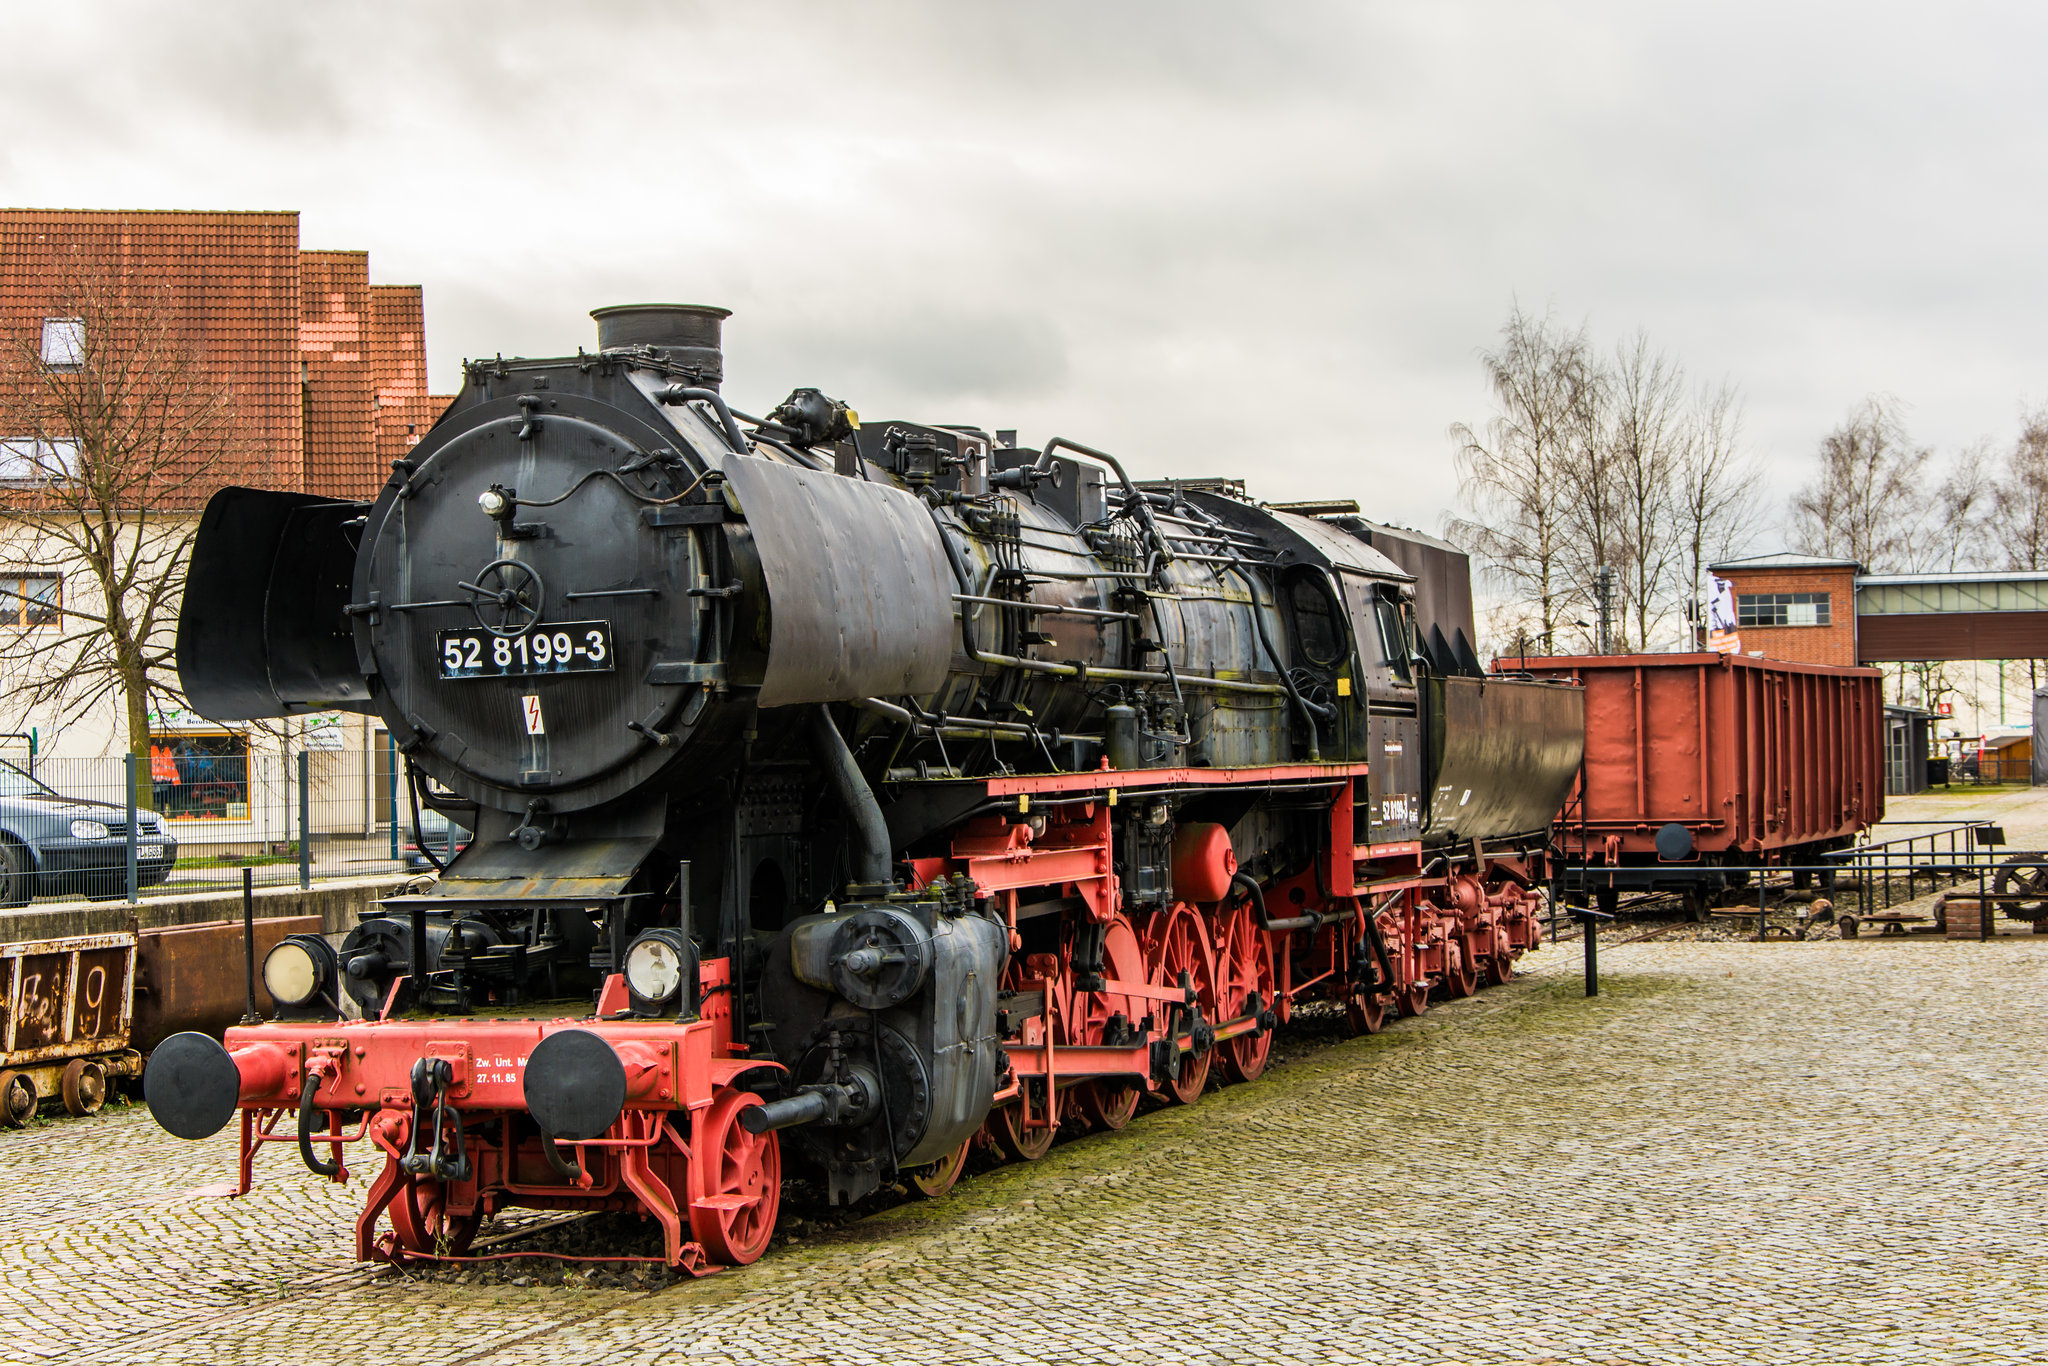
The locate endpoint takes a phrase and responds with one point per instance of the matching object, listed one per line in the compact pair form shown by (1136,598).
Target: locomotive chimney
(687,333)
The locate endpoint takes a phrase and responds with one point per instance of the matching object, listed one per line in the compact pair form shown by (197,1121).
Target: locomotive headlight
(88,830)
(299,970)
(494,502)
(659,964)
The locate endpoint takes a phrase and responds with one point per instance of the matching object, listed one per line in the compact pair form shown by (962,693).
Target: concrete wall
(336,903)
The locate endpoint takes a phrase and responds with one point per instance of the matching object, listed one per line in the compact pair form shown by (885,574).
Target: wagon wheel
(737,1186)
(1366,1013)
(1244,966)
(1015,1141)
(1697,902)
(934,1179)
(1180,944)
(2025,876)
(84,1086)
(1500,968)
(1087,1021)
(1461,978)
(1110,1105)
(425,1226)
(17,1099)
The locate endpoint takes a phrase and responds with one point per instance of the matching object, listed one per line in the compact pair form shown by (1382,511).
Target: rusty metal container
(193,976)
(1751,757)
(68,1006)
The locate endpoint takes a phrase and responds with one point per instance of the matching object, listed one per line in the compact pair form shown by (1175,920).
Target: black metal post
(417,968)
(249,1015)
(134,885)
(1983,908)
(1763,897)
(1589,921)
(305,828)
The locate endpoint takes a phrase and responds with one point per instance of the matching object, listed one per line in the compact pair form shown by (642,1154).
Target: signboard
(1721,634)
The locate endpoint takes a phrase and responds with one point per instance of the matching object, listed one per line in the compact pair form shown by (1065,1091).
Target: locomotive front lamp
(499,503)
(659,964)
(299,971)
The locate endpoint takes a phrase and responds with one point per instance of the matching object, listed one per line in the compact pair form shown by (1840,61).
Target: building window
(26,463)
(201,777)
(1781,609)
(30,599)
(64,343)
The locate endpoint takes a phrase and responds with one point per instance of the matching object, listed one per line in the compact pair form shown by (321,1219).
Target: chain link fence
(69,829)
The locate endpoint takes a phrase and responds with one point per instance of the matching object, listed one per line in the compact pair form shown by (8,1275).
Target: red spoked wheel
(1090,1019)
(1180,945)
(738,1183)
(424,1224)
(1365,1012)
(1500,968)
(1461,974)
(1022,1140)
(1244,968)
(934,1179)
(1413,1000)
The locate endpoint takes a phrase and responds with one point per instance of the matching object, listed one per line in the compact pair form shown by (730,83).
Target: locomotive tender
(886,787)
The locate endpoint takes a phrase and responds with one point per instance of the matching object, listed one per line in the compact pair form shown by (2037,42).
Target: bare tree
(1865,504)
(1713,487)
(1644,439)
(1513,475)
(1957,533)
(117,432)
(2018,521)
(2017,525)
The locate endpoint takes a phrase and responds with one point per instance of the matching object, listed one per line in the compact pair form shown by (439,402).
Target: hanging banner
(1721,636)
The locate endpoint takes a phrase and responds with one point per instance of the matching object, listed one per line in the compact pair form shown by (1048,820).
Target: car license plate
(151,851)
(564,647)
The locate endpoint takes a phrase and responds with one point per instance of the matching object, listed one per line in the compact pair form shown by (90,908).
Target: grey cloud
(1210,235)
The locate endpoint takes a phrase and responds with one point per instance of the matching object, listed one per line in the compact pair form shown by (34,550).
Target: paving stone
(1739,1153)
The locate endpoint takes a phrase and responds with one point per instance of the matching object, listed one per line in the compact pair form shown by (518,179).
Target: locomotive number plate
(562,647)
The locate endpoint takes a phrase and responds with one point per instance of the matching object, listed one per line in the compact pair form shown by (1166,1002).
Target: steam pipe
(871,832)
(683,393)
(1152,531)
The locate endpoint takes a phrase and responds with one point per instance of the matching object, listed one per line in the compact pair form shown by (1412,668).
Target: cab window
(1394,644)
(1317,629)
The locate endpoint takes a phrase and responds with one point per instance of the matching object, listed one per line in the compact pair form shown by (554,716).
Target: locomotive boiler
(865,790)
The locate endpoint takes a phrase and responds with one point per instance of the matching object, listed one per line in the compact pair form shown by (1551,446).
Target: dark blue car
(54,845)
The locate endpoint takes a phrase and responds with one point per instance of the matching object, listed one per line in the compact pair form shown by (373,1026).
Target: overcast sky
(1260,239)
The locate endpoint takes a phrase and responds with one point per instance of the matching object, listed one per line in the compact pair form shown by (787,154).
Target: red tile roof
(398,351)
(230,281)
(340,397)
(329,372)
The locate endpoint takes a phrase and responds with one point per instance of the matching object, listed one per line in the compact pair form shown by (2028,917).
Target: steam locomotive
(867,790)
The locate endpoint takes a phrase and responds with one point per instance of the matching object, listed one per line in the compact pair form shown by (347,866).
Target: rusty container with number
(69,1008)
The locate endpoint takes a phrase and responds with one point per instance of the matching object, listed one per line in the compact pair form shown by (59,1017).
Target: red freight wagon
(1702,767)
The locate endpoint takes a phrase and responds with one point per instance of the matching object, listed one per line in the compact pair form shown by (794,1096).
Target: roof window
(64,343)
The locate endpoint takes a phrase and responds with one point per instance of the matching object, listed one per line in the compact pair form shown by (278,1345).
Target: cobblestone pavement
(1820,1152)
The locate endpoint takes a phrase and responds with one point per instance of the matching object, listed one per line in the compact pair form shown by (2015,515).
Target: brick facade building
(1795,607)
(328,371)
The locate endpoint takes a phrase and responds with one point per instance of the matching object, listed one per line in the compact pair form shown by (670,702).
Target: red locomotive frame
(1375,929)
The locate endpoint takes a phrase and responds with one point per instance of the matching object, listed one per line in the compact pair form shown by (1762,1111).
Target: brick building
(327,371)
(1796,607)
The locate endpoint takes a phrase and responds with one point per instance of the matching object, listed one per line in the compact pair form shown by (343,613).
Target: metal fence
(200,819)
